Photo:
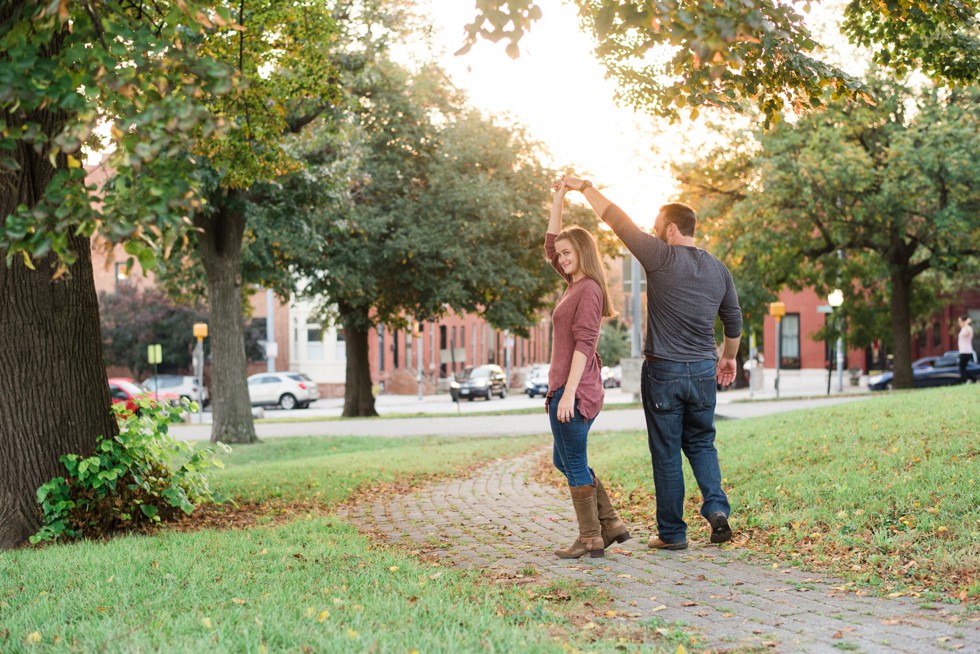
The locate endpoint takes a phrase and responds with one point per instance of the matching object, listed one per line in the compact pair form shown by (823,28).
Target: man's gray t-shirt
(686,288)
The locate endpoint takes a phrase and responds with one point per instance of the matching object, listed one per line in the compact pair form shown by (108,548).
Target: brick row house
(800,350)
(448,346)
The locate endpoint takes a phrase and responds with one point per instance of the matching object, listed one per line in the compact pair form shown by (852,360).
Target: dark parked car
(480,381)
(931,371)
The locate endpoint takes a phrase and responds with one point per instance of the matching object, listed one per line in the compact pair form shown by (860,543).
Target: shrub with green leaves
(135,480)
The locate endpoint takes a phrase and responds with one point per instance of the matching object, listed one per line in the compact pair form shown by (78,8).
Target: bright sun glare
(558,91)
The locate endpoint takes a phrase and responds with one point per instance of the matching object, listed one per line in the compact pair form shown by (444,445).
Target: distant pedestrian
(686,289)
(575,392)
(965,342)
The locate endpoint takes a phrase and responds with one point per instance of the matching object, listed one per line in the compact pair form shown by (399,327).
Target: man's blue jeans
(571,443)
(679,403)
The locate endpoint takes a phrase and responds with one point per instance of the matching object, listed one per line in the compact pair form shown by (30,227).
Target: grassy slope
(885,491)
(311,584)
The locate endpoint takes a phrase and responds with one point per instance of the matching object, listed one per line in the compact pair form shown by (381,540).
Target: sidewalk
(799,390)
(501,520)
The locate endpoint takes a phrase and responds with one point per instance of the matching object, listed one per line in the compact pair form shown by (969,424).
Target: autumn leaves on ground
(883,493)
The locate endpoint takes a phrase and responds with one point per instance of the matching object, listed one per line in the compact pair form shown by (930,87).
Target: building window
(314,344)
(432,345)
(381,348)
(937,335)
(789,341)
(341,346)
(920,340)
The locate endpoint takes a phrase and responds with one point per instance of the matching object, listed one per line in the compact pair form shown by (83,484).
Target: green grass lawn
(885,492)
(303,582)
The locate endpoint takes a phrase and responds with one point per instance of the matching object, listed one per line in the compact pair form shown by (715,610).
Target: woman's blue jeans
(571,442)
(679,403)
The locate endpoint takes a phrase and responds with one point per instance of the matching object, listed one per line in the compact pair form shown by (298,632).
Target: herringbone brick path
(499,518)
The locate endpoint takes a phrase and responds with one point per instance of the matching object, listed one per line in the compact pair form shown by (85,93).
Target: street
(800,390)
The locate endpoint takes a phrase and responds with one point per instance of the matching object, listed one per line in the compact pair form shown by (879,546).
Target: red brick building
(802,321)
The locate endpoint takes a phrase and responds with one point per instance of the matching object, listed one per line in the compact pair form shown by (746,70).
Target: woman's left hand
(566,407)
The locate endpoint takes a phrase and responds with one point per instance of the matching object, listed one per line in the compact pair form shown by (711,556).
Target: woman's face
(567,257)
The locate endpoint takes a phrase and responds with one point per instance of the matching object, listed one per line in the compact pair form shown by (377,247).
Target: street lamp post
(200,333)
(121,274)
(836,299)
(777,310)
(417,333)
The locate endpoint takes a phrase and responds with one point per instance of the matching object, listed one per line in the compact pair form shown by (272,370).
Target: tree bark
(358,398)
(54,398)
(901,311)
(220,246)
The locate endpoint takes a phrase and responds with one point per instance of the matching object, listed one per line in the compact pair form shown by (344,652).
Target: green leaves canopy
(445,208)
(880,201)
(674,56)
(68,67)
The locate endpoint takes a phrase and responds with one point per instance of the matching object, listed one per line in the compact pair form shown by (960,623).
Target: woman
(964,342)
(574,381)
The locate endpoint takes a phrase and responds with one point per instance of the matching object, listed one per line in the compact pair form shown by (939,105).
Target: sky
(557,90)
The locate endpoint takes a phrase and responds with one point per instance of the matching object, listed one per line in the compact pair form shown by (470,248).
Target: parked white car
(183,386)
(289,390)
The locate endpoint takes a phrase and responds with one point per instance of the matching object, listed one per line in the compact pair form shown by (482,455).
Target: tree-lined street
(320,153)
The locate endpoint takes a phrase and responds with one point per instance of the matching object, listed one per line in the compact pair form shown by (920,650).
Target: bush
(135,480)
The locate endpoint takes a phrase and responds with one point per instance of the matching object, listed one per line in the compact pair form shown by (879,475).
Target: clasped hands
(566,183)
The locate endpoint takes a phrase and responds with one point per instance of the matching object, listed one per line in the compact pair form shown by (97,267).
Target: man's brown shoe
(657,544)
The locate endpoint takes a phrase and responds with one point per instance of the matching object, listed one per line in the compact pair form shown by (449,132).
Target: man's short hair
(681,215)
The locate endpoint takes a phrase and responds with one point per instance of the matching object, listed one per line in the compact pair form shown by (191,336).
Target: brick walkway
(499,518)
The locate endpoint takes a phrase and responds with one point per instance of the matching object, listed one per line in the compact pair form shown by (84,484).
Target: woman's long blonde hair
(589,261)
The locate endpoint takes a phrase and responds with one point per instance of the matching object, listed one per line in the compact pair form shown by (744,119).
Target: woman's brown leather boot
(614,530)
(589,539)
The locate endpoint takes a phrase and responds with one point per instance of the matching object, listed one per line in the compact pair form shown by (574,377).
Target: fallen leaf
(206,623)
(689,603)
(589,626)
(33,638)
(238,600)
(324,614)
(659,608)
(838,634)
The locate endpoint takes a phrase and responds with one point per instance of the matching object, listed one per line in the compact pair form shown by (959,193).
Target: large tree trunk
(901,327)
(221,253)
(358,398)
(54,398)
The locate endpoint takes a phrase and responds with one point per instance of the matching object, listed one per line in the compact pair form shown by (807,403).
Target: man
(965,343)
(686,289)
